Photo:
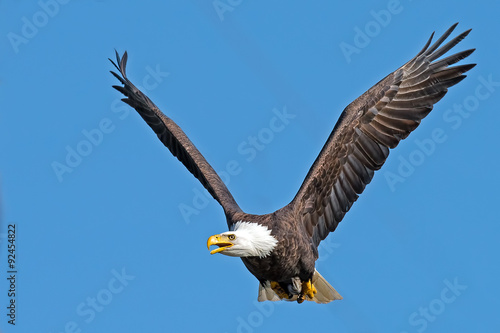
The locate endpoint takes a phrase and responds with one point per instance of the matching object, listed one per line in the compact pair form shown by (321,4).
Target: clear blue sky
(102,245)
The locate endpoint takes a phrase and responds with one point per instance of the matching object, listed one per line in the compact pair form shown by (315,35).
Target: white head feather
(252,240)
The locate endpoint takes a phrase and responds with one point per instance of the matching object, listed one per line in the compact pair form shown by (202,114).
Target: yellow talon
(275,286)
(308,289)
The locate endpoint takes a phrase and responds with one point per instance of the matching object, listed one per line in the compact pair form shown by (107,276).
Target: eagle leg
(275,286)
(308,290)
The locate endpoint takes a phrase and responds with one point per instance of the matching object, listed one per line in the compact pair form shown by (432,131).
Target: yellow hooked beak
(221,241)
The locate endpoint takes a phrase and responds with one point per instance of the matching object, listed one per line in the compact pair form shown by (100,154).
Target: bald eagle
(280,248)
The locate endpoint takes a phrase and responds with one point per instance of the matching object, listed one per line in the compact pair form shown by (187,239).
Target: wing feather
(369,127)
(172,136)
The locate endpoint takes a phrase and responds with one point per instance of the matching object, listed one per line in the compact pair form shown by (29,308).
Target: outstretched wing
(172,136)
(368,127)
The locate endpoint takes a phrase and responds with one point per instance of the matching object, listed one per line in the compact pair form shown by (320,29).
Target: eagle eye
(231,237)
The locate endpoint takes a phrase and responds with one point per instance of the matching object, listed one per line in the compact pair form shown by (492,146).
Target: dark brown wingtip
(468,52)
(121,89)
(430,38)
(120,65)
(118,77)
(117,60)
(429,41)
(123,64)
(113,64)
(117,56)
(472,66)
(440,40)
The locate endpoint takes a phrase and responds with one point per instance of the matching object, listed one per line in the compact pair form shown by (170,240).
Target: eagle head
(245,239)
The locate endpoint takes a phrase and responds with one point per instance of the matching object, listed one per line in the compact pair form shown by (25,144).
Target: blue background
(115,209)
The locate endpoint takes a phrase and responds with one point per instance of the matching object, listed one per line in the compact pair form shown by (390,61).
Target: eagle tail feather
(266,293)
(325,293)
